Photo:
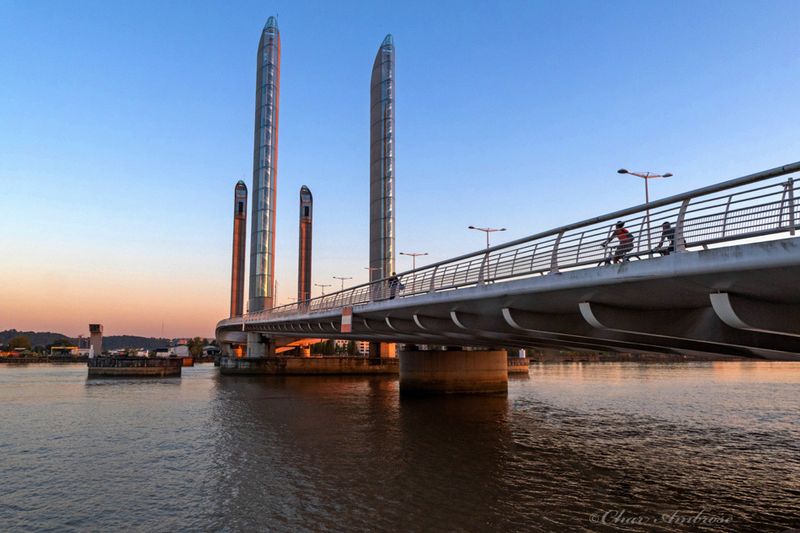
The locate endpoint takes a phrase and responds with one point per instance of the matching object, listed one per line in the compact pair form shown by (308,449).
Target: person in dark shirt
(394,284)
(667,236)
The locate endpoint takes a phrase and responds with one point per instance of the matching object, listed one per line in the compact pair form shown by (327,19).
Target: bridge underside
(740,301)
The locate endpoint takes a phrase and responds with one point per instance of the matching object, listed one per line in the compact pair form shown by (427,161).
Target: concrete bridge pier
(453,372)
(232,349)
(259,346)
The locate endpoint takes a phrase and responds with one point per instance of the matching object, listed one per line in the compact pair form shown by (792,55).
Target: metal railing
(723,213)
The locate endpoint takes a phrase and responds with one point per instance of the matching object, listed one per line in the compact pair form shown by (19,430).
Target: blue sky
(125,125)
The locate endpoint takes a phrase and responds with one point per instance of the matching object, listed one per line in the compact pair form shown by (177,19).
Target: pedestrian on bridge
(625,239)
(667,236)
(394,284)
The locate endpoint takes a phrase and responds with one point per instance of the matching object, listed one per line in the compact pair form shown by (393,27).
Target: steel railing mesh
(722,216)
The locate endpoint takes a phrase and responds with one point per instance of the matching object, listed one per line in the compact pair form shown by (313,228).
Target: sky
(124,127)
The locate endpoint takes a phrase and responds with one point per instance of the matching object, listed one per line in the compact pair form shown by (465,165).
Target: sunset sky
(124,127)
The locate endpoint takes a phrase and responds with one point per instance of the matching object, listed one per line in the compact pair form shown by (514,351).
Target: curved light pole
(413,256)
(646,176)
(343,279)
(487,231)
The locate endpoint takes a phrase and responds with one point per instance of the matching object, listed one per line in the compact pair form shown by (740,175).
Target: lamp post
(646,176)
(343,279)
(413,256)
(487,231)
(323,285)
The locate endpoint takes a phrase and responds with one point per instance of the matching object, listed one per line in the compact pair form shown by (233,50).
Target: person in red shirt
(625,239)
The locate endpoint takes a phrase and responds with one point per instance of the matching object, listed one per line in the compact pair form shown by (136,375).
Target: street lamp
(342,279)
(323,285)
(413,256)
(646,176)
(487,231)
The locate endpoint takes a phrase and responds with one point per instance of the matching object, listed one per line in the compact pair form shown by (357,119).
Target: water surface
(574,447)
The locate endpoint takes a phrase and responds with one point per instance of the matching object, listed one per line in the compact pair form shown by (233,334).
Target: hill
(37,338)
(111,342)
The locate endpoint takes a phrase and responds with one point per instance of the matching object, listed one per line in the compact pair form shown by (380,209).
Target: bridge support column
(258,346)
(453,372)
(232,349)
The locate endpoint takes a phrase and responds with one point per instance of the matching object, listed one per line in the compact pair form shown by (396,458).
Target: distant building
(63,351)
(161,352)
(361,346)
(96,338)
(179,351)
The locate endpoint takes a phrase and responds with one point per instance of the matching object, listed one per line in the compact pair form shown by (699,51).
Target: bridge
(729,286)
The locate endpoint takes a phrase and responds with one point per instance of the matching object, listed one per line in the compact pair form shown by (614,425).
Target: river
(574,447)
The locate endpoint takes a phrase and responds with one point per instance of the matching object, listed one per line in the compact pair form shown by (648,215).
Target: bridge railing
(752,206)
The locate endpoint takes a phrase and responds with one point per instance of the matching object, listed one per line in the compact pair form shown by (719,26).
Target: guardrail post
(432,287)
(482,272)
(680,242)
(554,256)
(790,187)
(533,257)
(513,263)
(725,216)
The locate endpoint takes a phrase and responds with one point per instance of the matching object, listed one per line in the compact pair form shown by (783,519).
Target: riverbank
(136,367)
(42,359)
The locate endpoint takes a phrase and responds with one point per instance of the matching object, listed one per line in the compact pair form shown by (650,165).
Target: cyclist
(625,239)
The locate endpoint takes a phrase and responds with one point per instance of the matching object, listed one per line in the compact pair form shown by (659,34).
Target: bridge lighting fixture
(323,285)
(413,256)
(487,231)
(646,176)
(343,279)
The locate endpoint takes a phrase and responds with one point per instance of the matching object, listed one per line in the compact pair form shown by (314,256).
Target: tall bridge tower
(381,163)
(265,168)
(304,252)
(239,240)
(382,174)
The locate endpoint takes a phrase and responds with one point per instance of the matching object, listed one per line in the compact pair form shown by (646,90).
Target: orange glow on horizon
(126,303)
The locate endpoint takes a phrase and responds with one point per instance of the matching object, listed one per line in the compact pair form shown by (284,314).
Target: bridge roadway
(725,290)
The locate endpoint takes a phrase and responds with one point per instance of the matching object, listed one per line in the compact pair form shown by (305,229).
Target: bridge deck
(719,292)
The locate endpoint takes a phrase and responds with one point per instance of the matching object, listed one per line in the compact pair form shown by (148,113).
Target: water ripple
(570,445)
